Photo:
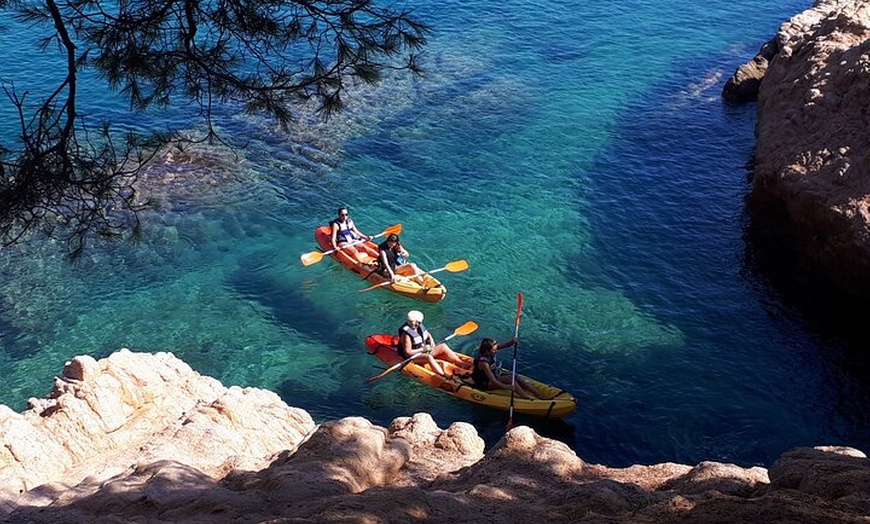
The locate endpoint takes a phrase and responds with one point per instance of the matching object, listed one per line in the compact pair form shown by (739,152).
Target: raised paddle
(453,267)
(464,329)
(510,423)
(313,257)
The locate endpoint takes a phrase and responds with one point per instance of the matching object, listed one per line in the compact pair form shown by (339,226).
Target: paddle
(313,257)
(510,423)
(453,267)
(464,329)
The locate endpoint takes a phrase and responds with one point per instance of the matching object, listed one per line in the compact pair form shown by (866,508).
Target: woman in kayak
(416,341)
(393,260)
(345,233)
(487,372)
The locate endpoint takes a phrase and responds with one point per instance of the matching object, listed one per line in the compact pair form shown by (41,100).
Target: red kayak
(424,287)
(558,403)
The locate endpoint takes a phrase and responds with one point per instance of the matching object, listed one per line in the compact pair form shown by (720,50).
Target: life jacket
(392,259)
(417,337)
(345,231)
(479,376)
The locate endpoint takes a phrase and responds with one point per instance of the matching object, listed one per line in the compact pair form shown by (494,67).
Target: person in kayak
(488,374)
(345,232)
(393,261)
(416,341)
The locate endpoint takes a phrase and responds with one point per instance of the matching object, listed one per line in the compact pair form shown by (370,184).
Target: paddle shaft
(408,360)
(314,257)
(510,423)
(462,267)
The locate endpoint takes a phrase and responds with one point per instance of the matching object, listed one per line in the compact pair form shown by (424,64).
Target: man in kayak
(393,261)
(345,233)
(487,372)
(415,340)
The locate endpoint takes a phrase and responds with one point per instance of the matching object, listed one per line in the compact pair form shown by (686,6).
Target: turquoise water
(577,152)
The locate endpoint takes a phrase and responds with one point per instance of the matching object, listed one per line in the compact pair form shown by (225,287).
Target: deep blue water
(577,152)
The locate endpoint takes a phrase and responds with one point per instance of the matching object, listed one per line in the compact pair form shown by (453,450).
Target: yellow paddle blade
(312,257)
(458,265)
(464,329)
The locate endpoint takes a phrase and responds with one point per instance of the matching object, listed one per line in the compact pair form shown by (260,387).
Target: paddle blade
(458,265)
(464,329)
(312,257)
(392,230)
(519,307)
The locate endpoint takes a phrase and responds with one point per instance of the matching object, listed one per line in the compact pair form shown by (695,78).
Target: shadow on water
(468,95)
(284,302)
(780,271)
(667,208)
(9,335)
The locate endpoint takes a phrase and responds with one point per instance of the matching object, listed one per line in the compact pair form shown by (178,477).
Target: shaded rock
(243,456)
(744,84)
(729,479)
(811,182)
(841,474)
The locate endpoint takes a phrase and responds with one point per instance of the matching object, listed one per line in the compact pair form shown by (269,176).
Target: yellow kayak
(428,288)
(557,404)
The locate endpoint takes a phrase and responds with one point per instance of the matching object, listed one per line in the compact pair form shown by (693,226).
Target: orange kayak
(425,287)
(558,403)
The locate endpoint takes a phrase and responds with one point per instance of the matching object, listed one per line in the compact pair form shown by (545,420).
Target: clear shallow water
(576,152)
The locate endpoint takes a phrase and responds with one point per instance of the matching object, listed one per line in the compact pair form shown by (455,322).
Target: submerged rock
(142,437)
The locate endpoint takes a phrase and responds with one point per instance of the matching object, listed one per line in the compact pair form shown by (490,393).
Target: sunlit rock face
(140,437)
(105,418)
(812,171)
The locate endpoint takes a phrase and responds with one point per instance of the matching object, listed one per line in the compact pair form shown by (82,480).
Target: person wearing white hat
(416,341)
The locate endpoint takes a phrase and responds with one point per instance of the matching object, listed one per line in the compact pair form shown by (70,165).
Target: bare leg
(434,364)
(444,352)
(522,386)
(409,270)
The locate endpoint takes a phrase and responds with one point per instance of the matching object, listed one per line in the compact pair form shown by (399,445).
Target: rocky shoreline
(142,437)
(811,180)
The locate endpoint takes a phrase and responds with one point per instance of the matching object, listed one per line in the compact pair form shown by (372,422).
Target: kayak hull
(559,403)
(428,289)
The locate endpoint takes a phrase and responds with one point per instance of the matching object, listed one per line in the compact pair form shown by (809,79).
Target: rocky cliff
(811,182)
(142,437)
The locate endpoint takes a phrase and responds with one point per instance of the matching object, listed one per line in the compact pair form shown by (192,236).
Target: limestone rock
(812,169)
(157,442)
(744,84)
(131,408)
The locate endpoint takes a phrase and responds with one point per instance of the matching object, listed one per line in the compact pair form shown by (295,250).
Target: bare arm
(405,342)
(334,235)
(386,263)
(491,376)
(360,233)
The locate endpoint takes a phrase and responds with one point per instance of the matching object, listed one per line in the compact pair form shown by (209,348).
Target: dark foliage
(67,180)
